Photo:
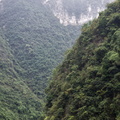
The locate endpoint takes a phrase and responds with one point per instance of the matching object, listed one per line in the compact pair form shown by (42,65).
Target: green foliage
(32,43)
(17,101)
(86,86)
(100,53)
(37,43)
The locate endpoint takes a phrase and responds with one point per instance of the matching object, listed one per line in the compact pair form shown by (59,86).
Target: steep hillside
(86,86)
(17,101)
(32,42)
(37,39)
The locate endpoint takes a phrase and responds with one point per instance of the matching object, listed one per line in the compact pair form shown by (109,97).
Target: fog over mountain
(76,12)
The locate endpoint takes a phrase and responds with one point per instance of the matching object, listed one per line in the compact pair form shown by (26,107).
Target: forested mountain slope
(86,86)
(32,42)
(17,101)
(36,38)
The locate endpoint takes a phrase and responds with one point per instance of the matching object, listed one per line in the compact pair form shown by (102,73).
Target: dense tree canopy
(32,43)
(86,86)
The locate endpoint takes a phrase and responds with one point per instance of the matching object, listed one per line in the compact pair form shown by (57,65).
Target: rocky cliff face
(76,12)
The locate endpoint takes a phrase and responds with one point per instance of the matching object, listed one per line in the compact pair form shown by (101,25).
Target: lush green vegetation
(36,38)
(32,43)
(86,86)
(17,101)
